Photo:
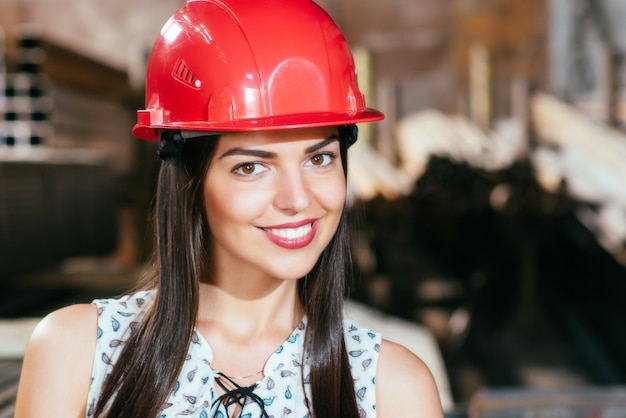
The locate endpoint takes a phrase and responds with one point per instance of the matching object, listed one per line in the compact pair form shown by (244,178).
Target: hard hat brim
(280,122)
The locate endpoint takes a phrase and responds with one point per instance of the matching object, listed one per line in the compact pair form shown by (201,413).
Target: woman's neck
(250,308)
(243,332)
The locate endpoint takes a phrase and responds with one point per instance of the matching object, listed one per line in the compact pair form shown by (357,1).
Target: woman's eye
(321,160)
(248,169)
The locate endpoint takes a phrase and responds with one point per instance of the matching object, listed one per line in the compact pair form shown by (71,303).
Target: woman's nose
(292,192)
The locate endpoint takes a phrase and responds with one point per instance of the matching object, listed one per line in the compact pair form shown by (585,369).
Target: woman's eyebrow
(269,155)
(249,152)
(322,144)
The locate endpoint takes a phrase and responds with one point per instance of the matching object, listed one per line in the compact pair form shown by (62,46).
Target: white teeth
(290,233)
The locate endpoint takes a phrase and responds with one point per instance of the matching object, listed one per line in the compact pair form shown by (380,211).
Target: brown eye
(317,159)
(321,160)
(249,169)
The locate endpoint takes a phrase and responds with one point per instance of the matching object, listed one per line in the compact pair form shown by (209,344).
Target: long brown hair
(181,259)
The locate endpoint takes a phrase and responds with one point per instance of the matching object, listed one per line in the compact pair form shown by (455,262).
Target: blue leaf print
(280,349)
(269,401)
(204,414)
(356,353)
(115,324)
(115,343)
(191,399)
(360,394)
(219,414)
(352,328)
(371,334)
(106,359)
(366,363)
(292,339)
(192,374)
(288,394)
(99,332)
(125,314)
(248,415)
(176,387)
(357,338)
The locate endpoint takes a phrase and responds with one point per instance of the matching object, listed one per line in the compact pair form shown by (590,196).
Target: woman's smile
(292,236)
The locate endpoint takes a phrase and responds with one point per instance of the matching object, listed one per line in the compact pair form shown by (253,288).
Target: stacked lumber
(431,133)
(572,154)
(588,159)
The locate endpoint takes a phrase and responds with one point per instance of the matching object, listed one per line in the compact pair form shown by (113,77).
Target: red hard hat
(242,65)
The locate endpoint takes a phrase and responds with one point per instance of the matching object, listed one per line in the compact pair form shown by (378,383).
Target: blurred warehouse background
(489,206)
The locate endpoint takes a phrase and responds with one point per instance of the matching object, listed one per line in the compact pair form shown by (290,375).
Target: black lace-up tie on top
(237,395)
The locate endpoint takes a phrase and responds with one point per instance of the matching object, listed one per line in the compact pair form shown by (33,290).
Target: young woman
(254,104)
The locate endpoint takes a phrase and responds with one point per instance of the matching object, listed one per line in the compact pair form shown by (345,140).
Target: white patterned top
(281,389)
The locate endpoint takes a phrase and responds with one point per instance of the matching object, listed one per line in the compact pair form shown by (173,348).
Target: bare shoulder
(57,364)
(404,384)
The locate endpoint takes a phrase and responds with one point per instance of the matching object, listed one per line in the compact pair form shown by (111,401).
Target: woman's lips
(292,236)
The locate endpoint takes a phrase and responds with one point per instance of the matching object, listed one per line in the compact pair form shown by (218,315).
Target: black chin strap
(238,395)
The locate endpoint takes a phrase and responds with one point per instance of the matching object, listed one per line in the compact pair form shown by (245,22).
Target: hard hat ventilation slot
(185,75)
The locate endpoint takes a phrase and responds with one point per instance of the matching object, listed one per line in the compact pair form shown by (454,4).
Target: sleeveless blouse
(281,390)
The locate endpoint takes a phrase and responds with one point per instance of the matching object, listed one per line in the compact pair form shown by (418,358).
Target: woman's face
(273,200)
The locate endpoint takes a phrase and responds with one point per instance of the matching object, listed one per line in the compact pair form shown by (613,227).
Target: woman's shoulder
(57,363)
(65,321)
(404,383)
(69,330)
